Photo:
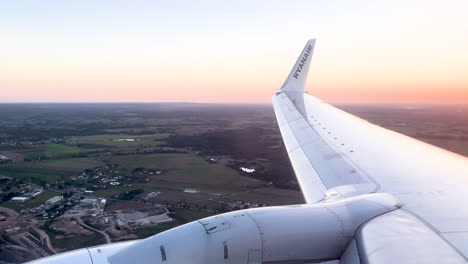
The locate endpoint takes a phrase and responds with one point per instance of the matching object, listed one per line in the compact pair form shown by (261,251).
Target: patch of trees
(4,181)
(10,195)
(160,150)
(249,144)
(90,146)
(36,158)
(130,194)
(138,170)
(39,181)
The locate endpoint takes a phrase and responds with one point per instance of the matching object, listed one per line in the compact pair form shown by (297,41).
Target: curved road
(108,239)
(45,239)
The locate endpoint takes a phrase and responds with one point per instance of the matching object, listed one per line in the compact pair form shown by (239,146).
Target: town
(71,179)
(93,182)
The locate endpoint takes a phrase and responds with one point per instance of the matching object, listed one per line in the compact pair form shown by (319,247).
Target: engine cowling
(299,233)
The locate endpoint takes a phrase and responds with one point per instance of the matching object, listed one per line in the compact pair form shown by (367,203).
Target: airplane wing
(336,155)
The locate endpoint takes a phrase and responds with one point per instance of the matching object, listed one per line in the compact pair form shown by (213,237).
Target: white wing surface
(337,155)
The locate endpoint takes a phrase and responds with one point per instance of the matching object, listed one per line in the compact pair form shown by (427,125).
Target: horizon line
(250,103)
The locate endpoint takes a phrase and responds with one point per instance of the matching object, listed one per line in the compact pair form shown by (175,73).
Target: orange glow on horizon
(372,51)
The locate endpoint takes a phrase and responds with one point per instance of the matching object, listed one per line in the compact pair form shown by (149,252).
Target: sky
(367,51)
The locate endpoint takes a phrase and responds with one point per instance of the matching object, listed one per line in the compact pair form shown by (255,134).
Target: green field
(71,164)
(15,170)
(168,161)
(210,177)
(210,205)
(33,202)
(57,150)
(32,152)
(189,215)
(52,150)
(116,190)
(150,231)
(131,129)
(186,171)
(75,242)
(58,165)
(111,140)
(270,196)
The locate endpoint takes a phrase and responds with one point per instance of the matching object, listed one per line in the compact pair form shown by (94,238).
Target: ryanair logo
(303,61)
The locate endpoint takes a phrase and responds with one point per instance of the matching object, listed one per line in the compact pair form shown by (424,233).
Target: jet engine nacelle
(299,234)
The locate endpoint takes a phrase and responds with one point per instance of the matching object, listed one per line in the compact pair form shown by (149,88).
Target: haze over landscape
(232,51)
(78,175)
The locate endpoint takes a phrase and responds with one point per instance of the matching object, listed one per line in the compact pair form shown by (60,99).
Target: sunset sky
(373,51)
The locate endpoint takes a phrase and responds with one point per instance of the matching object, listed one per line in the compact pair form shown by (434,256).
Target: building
(19,199)
(4,159)
(88,201)
(191,191)
(145,196)
(34,192)
(54,200)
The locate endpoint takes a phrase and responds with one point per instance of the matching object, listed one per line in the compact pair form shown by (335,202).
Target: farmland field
(65,243)
(123,140)
(58,165)
(25,173)
(170,161)
(115,151)
(56,150)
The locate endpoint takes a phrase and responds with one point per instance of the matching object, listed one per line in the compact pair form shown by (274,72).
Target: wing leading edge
(322,170)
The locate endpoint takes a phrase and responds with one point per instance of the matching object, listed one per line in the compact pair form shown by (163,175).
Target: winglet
(295,83)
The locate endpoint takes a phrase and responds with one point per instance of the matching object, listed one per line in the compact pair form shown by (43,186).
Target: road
(108,239)
(45,239)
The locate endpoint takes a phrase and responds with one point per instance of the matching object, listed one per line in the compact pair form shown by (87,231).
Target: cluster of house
(108,175)
(77,204)
(15,143)
(56,200)
(144,174)
(61,140)
(71,140)
(238,205)
(95,205)
(18,142)
(102,177)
